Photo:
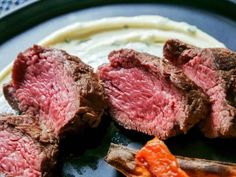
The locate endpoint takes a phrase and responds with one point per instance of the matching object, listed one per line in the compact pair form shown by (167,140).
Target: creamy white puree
(92,41)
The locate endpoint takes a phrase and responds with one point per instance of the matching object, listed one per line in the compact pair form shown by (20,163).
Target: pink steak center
(199,71)
(46,90)
(19,156)
(143,97)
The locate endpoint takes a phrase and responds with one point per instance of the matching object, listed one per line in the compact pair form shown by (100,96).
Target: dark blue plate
(83,155)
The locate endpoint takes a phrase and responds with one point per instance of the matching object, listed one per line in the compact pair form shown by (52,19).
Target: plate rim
(45,10)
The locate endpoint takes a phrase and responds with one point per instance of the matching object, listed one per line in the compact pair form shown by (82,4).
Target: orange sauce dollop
(155,160)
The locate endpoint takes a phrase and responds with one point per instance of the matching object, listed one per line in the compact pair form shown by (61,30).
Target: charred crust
(224,59)
(8,92)
(122,158)
(178,52)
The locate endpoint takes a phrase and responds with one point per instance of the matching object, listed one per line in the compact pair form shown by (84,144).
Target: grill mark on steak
(57,88)
(148,94)
(214,70)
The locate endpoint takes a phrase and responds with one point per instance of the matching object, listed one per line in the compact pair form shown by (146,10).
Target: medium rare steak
(57,88)
(214,70)
(150,95)
(21,152)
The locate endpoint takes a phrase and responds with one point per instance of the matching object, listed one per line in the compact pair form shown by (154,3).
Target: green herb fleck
(192,30)
(148,44)
(83,40)
(158,41)
(126,26)
(67,40)
(116,43)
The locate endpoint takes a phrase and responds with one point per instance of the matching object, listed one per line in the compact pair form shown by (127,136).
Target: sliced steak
(150,95)
(22,153)
(57,88)
(214,70)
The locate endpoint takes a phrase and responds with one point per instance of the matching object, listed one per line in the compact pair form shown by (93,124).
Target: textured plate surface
(83,155)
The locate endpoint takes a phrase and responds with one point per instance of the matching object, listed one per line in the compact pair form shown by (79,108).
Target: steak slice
(214,70)
(150,95)
(22,153)
(57,88)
